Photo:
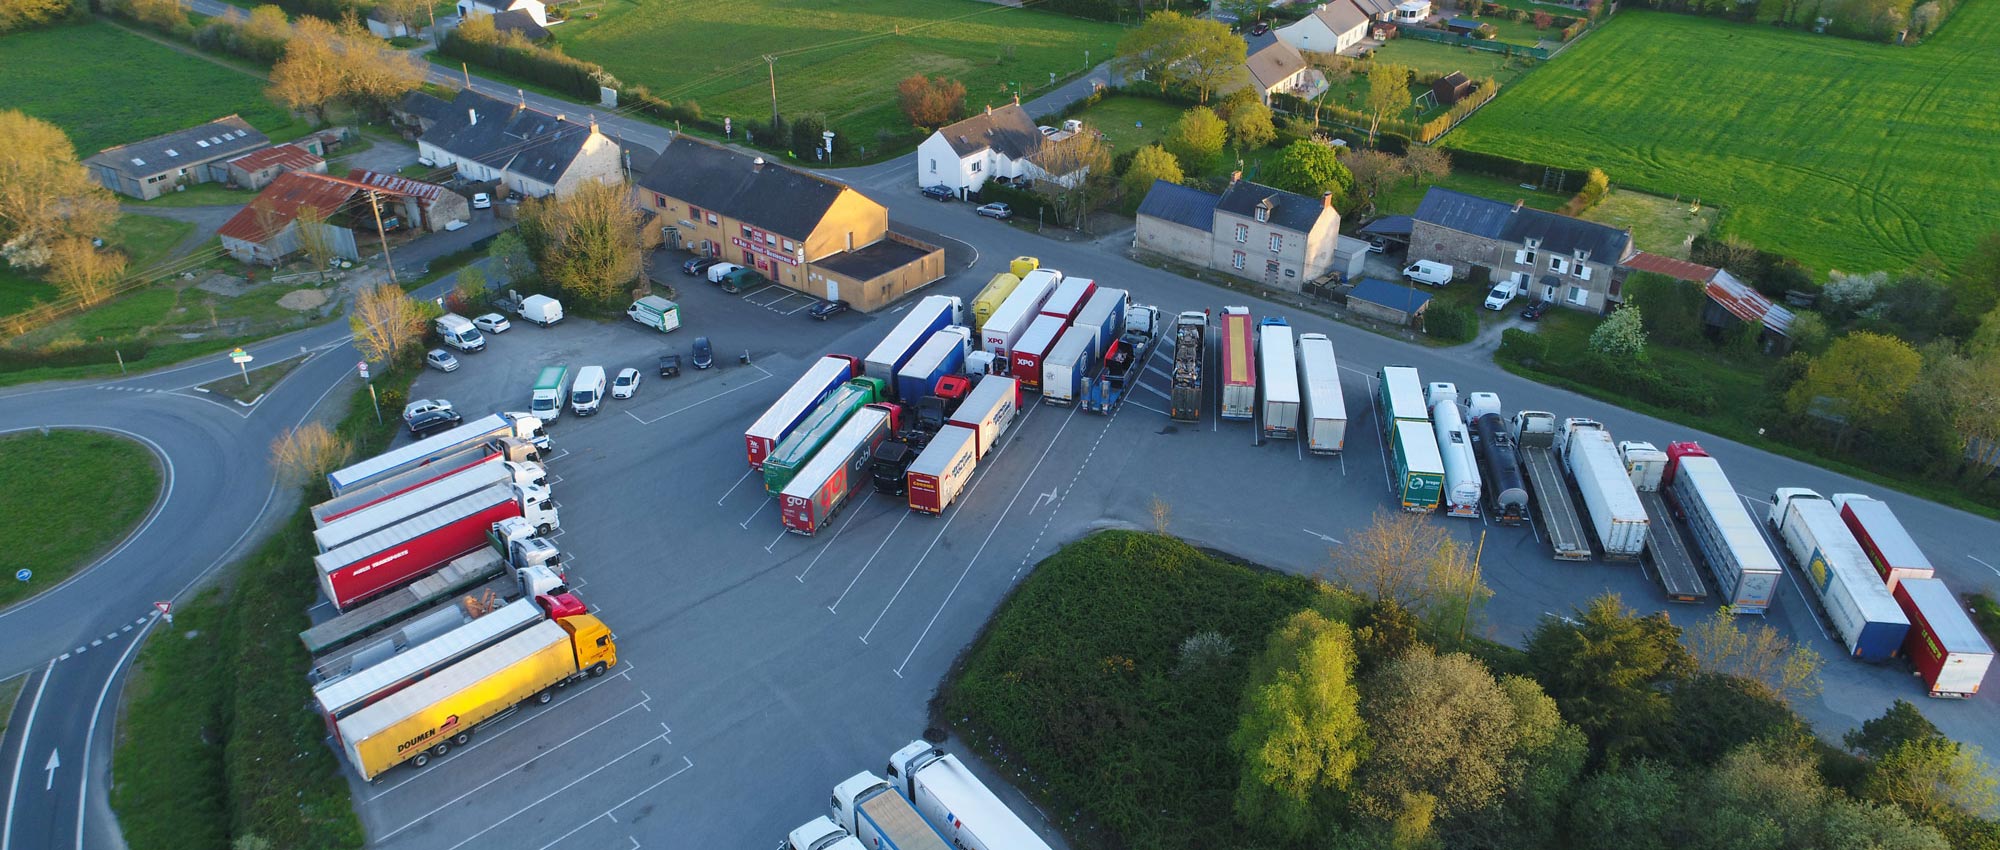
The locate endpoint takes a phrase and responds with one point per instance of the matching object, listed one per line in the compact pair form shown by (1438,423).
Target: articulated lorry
(1239,364)
(1401,393)
(1325,404)
(874,812)
(1278,372)
(1608,495)
(393,556)
(1066,369)
(656,313)
(1863,611)
(1012,318)
(1666,547)
(1190,357)
(474,572)
(1889,546)
(826,418)
(1068,298)
(1460,497)
(1418,466)
(485,431)
(991,297)
(821,833)
(1124,359)
(1025,363)
(928,316)
(515,455)
(785,414)
(942,355)
(1943,644)
(989,411)
(425,720)
(810,499)
(941,471)
(362,675)
(956,802)
(1745,569)
(1103,315)
(1534,433)
(354,526)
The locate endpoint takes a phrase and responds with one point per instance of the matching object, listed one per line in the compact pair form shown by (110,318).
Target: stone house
(531,152)
(1280,69)
(1177,222)
(256,169)
(1570,261)
(1278,239)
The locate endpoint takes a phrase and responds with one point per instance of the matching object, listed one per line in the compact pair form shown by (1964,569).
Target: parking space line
(1996,570)
(835,607)
(774,541)
(566,786)
(1130,400)
(732,487)
(753,514)
(1785,563)
(801,577)
(607,812)
(482,739)
(685,408)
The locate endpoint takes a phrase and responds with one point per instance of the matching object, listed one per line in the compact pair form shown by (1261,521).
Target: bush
(1525,348)
(1451,323)
(1026,204)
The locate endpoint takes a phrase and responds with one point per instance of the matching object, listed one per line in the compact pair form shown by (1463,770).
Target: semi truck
(1744,567)
(940,472)
(1124,359)
(810,500)
(481,432)
(940,355)
(1103,315)
(395,555)
(956,802)
(1666,547)
(1500,469)
(1419,467)
(820,425)
(926,317)
(1325,405)
(1278,372)
(1401,394)
(989,411)
(1460,496)
(512,546)
(1069,297)
(656,313)
(1012,318)
(991,297)
(516,455)
(1534,433)
(1239,364)
(1190,356)
(443,491)
(1608,495)
(821,833)
(880,817)
(1025,363)
(1889,546)
(367,672)
(1863,611)
(550,392)
(1943,644)
(1066,369)
(785,414)
(425,720)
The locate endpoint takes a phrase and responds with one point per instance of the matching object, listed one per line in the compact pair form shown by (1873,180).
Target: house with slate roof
(1280,69)
(1276,238)
(1557,258)
(153,167)
(1331,28)
(1002,143)
(531,152)
(803,231)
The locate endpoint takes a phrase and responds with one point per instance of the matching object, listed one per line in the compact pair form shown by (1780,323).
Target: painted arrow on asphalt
(55,761)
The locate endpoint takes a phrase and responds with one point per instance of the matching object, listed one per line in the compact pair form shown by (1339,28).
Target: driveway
(385,156)
(206,221)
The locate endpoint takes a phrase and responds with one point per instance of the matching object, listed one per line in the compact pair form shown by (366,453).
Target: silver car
(441,360)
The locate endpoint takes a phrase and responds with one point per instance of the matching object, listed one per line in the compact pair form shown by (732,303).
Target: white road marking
(14,785)
(774,540)
(801,577)
(1130,400)
(753,514)
(484,737)
(90,734)
(835,607)
(566,786)
(685,408)
(1996,570)
(607,812)
(159,506)
(732,487)
(1333,540)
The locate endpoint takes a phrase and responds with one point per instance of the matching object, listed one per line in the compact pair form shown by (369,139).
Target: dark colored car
(1260,28)
(940,193)
(1535,310)
(670,365)
(704,353)
(698,265)
(825,309)
(433,420)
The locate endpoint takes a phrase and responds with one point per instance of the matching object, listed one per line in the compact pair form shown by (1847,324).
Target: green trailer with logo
(820,425)
(1419,466)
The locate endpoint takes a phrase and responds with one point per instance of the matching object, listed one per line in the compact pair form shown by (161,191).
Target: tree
(1196,139)
(1441,727)
(1965,388)
(45,194)
(1310,168)
(1630,807)
(1900,724)
(373,74)
(308,77)
(1759,654)
(1976,285)
(1174,49)
(1427,164)
(1211,55)
(388,324)
(1250,126)
(1072,172)
(1607,669)
(1411,561)
(1809,332)
(315,241)
(1388,94)
(1374,170)
(162,15)
(1300,735)
(308,452)
(83,272)
(512,263)
(471,291)
(1862,380)
(1547,759)
(1622,335)
(1931,779)
(590,240)
(807,136)
(1851,293)
(263,34)
(28,14)
(931,103)
(410,13)
(1151,163)
(1712,714)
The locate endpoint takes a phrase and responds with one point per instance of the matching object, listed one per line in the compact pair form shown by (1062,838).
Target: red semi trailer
(814,495)
(407,550)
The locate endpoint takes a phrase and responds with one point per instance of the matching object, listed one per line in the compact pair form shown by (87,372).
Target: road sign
(165,607)
(240,356)
(23,574)
(364,369)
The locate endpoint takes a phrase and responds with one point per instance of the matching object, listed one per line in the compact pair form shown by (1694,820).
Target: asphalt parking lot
(758,668)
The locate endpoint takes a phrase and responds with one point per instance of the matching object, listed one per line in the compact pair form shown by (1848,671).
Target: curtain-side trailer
(926,317)
(785,414)
(812,497)
(1943,644)
(940,473)
(1239,364)
(1014,315)
(1325,405)
(1033,346)
(1862,610)
(821,424)
(1419,467)
(1888,545)
(1744,567)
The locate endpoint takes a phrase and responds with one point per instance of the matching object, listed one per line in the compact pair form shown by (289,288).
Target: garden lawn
(1659,225)
(1841,153)
(1445,58)
(145,239)
(87,489)
(1403,198)
(842,59)
(105,86)
(1116,118)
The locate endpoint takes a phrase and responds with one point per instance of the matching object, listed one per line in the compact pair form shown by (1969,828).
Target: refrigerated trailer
(1889,546)
(1278,372)
(424,452)
(1499,468)
(1066,369)
(777,422)
(1239,364)
(989,411)
(812,497)
(1190,359)
(1325,405)
(1666,547)
(436,494)
(1401,394)
(1534,433)
(1744,567)
(1068,298)
(941,472)
(1862,609)
(518,454)
(1025,363)
(941,355)
(1943,644)
(1419,467)
(819,426)
(1015,314)
(962,808)
(395,555)
(1608,495)
(926,317)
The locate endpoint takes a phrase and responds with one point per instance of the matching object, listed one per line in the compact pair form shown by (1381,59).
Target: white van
(721,270)
(1426,271)
(588,392)
(459,333)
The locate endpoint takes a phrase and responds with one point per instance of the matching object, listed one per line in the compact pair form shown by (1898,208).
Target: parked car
(940,193)
(1428,271)
(1377,245)
(698,265)
(1503,292)
(704,353)
(999,211)
(492,323)
(826,309)
(433,420)
(1260,28)
(719,271)
(482,201)
(1535,310)
(422,406)
(625,384)
(670,365)
(441,360)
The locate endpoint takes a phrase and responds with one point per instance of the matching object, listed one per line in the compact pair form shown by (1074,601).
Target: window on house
(770,240)
(1277,243)
(1263,214)
(1242,233)
(933,165)
(1558,265)
(1579,295)
(1236,259)
(976,165)
(712,220)
(1270,268)
(1524,257)
(788,246)
(659,201)
(749,234)
(1582,271)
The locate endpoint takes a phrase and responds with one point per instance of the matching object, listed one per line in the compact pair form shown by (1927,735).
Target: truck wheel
(441,748)
(597,669)
(544,697)
(543,530)
(421,760)
(461,739)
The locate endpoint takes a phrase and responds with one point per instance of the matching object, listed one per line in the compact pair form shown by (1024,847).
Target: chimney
(1518,202)
(1017,100)
(989,109)
(1326,200)
(471,115)
(757,164)
(1235,177)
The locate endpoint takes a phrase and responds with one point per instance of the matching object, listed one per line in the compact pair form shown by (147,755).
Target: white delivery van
(541,310)
(588,392)
(1426,271)
(459,333)
(721,270)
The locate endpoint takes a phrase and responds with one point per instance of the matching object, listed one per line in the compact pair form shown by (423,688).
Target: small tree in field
(388,323)
(931,102)
(1622,335)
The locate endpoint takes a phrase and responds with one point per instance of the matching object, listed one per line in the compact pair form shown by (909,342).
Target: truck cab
(821,833)
(1783,498)
(550,392)
(596,648)
(458,332)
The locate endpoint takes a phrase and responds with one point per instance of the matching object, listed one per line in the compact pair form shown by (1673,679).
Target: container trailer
(1419,466)
(877,814)
(1534,433)
(1012,318)
(1744,567)
(1943,644)
(1325,405)
(928,316)
(1667,548)
(941,471)
(1033,346)
(1401,394)
(989,411)
(1862,609)
(483,431)
(1239,364)
(1278,363)
(1888,545)
(395,555)
(1499,468)
(1609,498)
(991,297)
(785,414)
(1066,370)
(810,500)
(1069,297)
(962,808)
(436,494)
(1190,358)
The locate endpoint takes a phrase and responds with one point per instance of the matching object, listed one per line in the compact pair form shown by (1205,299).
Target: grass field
(1118,119)
(1402,198)
(842,58)
(1445,58)
(1840,153)
(105,485)
(105,86)
(1659,225)
(145,239)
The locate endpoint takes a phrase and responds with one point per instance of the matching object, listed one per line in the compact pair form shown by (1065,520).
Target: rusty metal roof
(1670,266)
(1746,303)
(268,214)
(290,157)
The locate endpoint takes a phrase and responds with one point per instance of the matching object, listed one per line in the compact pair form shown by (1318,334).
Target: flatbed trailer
(1668,550)
(1553,505)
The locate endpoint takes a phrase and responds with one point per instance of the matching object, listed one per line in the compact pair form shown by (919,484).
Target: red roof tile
(281,201)
(290,157)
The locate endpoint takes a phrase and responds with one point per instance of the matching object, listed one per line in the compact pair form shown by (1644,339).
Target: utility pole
(772,63)
(468,74)
(375,205)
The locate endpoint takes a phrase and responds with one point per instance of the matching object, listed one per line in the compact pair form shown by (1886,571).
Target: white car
(1503,292)
(422,406)
(482,201)
(492,323)
(625,384)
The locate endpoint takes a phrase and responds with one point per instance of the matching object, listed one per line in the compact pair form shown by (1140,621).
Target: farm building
(1462,26)
(256,169)
(1387,302)
(1731,302)
(152,167)
(429,206)
(1452,88)
(265,231)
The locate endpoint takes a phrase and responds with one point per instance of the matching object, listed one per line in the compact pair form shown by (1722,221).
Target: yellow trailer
(427,719)
(996,291)
(1022,265)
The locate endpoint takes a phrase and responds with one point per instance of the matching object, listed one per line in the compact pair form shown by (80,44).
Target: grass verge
(252,385)
(10,692)
(1985,615)
(100,487)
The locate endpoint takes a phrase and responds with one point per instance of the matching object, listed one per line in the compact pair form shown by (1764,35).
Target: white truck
(957,803)
(1278,364)
(656,313)
(541,310)
(1865,614)
(550,392)
(821,833)
(1011,319)
(1608,495)
(457,331)
(1461,466)
(484,431)
(870,809)
(1325,406)
(347,529)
